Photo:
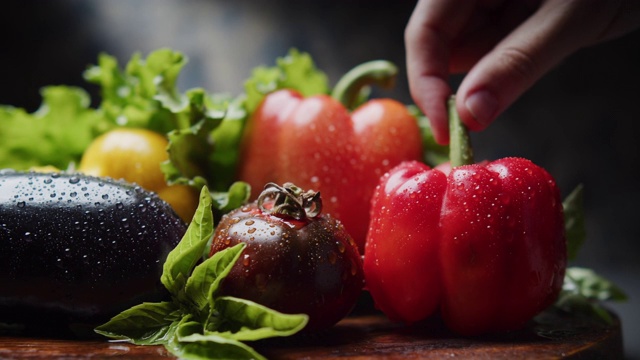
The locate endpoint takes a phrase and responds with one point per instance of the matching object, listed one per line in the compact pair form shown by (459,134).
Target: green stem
(355,82)
(460,151)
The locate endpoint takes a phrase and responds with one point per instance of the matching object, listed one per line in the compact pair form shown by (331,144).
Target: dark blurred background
(581,121)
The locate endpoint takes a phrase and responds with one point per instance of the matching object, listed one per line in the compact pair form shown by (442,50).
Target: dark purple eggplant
(79,250)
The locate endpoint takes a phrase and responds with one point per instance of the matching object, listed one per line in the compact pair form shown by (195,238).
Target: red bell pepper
(316,143)
(483,244)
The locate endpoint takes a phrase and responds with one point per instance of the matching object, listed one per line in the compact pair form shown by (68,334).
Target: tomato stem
(290,201)
(460,150)
(353,87)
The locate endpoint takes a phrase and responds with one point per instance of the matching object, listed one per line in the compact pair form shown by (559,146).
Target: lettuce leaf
(56,134)
(131,97)
(204,150)
(295,71)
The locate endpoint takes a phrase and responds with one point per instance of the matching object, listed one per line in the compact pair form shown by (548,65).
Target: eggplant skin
(79,250)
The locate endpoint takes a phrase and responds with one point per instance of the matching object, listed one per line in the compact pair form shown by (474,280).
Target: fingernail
(483,106)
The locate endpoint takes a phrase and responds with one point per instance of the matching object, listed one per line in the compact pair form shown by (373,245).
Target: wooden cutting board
(552,335)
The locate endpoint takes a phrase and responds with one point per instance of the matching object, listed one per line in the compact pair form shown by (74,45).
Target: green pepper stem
(350,88)
(460,151)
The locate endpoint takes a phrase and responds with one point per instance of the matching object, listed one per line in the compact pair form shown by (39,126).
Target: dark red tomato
(297,260)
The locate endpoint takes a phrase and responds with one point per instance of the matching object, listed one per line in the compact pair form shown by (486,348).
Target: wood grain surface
(552,335)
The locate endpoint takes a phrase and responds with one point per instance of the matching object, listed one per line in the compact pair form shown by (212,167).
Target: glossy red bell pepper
(316,143)
(484,244)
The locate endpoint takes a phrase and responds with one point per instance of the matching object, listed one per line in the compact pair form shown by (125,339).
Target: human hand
(505,46)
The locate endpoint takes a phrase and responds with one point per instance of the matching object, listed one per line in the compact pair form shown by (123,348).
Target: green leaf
(183,258)
(162,68)
(574,221)
(226,139)
(211,347)
(578,304)
(584,291)
(205,149)
(188,326)
(57,134)
(591,285)
(189,149)
(300,73)
(206,277)
(144,324)
(130,97)
(246,320)
(296,71)
(237,194)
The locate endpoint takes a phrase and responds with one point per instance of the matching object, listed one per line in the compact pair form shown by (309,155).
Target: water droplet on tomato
(261,282)
(246,259)
(354,267)
(332,257)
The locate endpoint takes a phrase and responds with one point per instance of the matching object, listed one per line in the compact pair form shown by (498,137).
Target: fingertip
(478,109)
(440,131)
(436,112)
(430,94)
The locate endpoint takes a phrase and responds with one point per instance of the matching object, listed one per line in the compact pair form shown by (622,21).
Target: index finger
(428,36)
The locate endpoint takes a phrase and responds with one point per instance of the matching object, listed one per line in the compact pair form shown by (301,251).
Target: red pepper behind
(318,144)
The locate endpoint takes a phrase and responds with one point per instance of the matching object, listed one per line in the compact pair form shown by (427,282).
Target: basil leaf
(206,277)
(237,194)
(183,258)
(144,324)
(574,221)
(584,290)
(246,320)
(187,326)
(211,347)
(587,283)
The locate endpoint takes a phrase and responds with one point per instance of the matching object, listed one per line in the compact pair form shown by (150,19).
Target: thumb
(556,30)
